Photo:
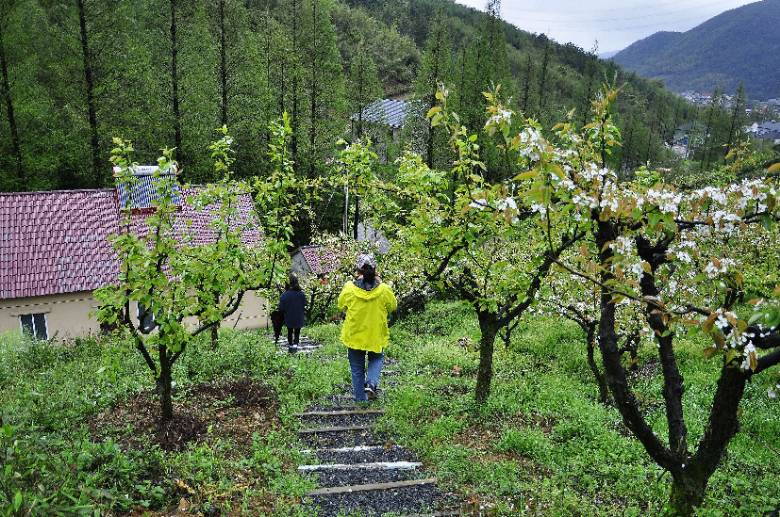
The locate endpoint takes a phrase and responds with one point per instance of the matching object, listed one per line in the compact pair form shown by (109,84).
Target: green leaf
(433,111)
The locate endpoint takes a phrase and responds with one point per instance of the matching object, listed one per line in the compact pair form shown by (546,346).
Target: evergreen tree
(324,83)
(89,92)
(543,79)
(21,182)
(363,87)
(436,70)
(177,141)
(199,89)
(737,118)
(527,85)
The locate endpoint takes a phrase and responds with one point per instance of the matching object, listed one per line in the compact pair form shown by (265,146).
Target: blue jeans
(362,376)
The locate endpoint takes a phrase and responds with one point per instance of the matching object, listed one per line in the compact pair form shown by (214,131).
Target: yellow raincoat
(365,327)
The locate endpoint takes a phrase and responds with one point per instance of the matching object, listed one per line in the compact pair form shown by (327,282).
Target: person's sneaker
(292,349)
(371,392)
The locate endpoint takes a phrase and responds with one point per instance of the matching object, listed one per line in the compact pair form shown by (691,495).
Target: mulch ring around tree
(230,409)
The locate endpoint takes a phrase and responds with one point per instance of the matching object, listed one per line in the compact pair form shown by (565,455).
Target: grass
(541,445)
(51,391)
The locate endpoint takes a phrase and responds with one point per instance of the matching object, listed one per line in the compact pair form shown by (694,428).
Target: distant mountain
(740,45)
(608,54)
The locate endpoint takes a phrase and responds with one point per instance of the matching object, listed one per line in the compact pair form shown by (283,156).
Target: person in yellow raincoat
(367,302)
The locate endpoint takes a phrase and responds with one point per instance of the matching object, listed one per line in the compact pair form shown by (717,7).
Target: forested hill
(166,73)
(740,45)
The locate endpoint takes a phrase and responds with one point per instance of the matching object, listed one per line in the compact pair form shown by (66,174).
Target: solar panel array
(146,191)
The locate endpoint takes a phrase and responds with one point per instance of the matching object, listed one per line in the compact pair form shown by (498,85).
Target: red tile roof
(320,259)
(57,242)
(195,225)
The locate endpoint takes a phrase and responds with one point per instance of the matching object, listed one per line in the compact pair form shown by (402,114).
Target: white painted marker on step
(379,465)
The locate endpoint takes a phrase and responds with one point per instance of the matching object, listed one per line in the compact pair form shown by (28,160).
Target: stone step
(304,351)
(378,465)
(346,420)
(404,497)
(341,412)
(357,475)
(371,487)
(335,429)
(360,454)
(359,435)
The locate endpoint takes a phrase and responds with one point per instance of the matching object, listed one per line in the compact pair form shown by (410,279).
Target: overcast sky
(614,23)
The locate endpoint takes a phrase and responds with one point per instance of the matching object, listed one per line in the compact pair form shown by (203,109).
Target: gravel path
(364,464)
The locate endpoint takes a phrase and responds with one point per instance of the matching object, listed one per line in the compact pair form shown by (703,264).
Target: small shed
(314,260)
(389,113)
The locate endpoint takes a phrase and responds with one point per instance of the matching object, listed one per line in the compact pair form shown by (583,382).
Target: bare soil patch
(232,409)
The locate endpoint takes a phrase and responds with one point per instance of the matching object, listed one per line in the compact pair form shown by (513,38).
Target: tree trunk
(625,400)
(673,389)
(89,81)
(294,118)
(164,388)
(214,337)
(626,156)
(543,79)
(313,100)
(356,223)
(488,326)
(9,107)
(600,378)
(175,85)
(687,493)
(223,62)
(431,105)
(527,87)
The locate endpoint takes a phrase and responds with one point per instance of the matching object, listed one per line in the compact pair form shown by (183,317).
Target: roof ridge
(58,191)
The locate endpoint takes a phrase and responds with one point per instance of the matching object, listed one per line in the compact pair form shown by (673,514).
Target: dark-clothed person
(277,322)
(293,306)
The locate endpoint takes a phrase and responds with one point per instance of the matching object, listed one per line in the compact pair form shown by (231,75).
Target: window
(34,325)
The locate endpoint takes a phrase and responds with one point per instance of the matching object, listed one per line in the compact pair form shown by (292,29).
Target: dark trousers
(277,321)
(293,336)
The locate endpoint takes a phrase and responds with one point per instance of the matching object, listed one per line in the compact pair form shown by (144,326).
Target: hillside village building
(54,252)
(765,131)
